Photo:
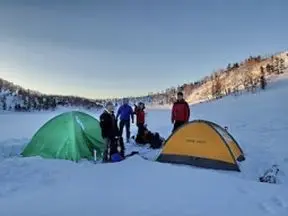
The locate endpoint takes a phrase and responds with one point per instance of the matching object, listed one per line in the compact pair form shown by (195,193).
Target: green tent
(71,136)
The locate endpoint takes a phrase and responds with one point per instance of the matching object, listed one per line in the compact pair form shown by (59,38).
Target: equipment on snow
(116,157)
(95,155)
(114,146)
(148,137)
(270,175)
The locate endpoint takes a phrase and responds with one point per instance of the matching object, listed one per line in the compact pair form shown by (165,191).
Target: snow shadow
(12,148)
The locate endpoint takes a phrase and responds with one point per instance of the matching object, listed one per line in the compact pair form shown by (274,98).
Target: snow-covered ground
(259,122)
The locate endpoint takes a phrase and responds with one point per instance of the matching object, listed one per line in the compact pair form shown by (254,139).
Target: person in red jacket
(140,117)
(180,112)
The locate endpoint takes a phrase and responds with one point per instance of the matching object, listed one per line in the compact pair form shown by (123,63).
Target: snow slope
(34,186)
(234,79)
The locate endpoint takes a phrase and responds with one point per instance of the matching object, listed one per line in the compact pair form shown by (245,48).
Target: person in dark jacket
(110,133)
(125,112)
(140,117)
(180,112)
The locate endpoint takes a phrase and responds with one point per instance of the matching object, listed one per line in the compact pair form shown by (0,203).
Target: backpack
(156,141)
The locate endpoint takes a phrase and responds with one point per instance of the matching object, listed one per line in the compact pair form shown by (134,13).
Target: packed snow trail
(34,186)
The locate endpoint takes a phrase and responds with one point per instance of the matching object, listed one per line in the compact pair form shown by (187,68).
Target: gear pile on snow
(270,176)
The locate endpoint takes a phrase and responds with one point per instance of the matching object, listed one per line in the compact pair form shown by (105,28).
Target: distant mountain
(236,77)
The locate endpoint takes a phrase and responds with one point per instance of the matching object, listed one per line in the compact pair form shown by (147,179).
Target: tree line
(16,98)
(253,74)
(249,74)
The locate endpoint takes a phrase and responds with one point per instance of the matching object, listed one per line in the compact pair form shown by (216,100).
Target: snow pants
(141,129)
(126,124)
(177,124)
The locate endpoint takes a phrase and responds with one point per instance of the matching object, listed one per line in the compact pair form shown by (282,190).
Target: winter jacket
(108,125)
(180,111)
(140,116)
(125,112)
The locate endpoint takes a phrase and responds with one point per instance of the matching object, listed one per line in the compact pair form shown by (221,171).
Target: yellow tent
(204,144)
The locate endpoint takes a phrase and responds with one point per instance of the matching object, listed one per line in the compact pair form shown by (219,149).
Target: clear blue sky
(119,48)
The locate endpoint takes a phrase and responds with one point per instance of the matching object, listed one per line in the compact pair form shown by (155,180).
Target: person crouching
(111,134)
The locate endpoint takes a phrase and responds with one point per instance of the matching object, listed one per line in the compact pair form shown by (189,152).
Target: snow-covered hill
(241,78)
(34,186)
(16,98)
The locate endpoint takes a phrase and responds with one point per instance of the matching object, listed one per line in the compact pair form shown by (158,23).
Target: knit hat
(109,103)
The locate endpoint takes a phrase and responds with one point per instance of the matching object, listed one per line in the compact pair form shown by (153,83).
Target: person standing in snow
(110,132)
(180,112)
(140,118)
(125,112)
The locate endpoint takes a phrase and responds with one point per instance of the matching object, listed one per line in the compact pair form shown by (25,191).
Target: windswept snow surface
(259,122)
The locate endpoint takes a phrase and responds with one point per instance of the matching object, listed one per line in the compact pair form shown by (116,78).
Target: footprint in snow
(279,202)
(266,208)
(243,190)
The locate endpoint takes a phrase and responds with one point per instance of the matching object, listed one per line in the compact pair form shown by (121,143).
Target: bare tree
(217,87)
(276,65)
(263,81)
(281,65)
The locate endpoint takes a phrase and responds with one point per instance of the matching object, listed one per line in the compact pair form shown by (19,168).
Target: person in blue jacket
(125,112)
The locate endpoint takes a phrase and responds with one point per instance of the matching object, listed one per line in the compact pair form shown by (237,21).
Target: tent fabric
(232,143)
(70,135)
(203,144)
